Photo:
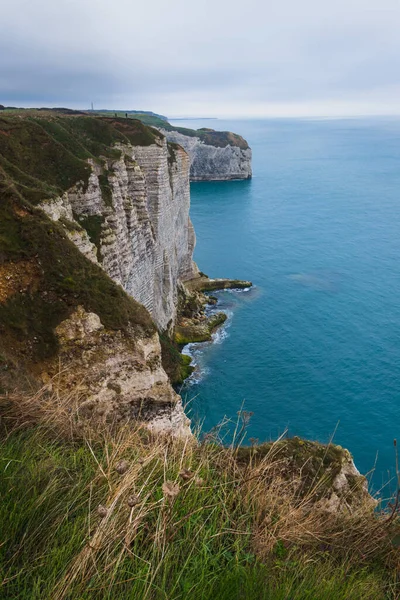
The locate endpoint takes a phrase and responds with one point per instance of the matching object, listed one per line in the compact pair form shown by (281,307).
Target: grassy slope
(63,279)
(220,139)
(45,153)
(146,118)
(211,540)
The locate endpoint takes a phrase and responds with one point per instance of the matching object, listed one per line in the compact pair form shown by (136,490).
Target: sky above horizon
(214,58)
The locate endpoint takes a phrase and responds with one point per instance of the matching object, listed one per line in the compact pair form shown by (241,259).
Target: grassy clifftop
(94,513)
(219,139)
(45,153)
(94,137)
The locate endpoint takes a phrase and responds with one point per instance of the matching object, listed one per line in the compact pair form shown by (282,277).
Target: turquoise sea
(314,347)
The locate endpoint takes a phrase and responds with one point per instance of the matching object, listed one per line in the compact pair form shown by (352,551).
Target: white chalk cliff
(132,218)
(210,162)
(144,236)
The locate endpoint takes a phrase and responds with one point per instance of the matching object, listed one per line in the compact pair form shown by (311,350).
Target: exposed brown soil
(18,277)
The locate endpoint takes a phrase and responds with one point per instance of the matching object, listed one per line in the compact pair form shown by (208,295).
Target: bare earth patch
(17,277)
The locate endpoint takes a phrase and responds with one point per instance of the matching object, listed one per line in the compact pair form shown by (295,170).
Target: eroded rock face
(133,218)
(211,163)
(349,489)
(119,374)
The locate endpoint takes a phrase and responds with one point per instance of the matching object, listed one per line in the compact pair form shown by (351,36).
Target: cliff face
(64,323)
(121,196)
(119,375)
(220,157)
(142,233)
(120,193)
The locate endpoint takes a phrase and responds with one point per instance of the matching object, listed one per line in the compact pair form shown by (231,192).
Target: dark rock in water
(205,284)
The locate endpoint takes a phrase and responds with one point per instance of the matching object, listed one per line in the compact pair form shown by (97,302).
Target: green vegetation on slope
(147,118)
(220,139)
(58,279)
(96,514)
(45,153)
(176,365)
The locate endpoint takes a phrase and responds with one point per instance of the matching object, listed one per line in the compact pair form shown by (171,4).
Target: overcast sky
(205,57)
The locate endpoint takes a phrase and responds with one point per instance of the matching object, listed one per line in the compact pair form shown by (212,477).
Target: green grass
(97,139)
(46,153)
(220,139)
(31,150)
(197,545)
(152,120)
(93,225)
(44,510)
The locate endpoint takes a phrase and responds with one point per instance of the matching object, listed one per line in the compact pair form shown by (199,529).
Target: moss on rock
(106,191)
(205,284)
(93,225)
(176,365)
(198,332)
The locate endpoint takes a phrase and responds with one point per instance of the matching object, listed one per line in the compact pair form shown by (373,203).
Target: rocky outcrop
(118,374)
(207,284)
(194,323)
(324,476)
(133,219)
(214,161)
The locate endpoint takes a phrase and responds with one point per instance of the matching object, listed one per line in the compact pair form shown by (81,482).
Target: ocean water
(314,347)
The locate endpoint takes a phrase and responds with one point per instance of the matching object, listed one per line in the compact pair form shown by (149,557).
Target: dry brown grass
(160,492)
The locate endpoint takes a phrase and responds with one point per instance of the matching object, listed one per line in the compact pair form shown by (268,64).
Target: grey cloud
(215,57)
